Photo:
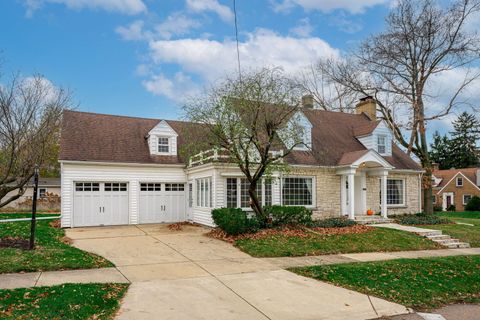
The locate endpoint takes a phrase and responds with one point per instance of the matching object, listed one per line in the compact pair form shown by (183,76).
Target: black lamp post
(34,209)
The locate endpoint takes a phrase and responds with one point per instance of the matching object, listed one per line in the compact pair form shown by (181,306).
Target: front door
(447,200)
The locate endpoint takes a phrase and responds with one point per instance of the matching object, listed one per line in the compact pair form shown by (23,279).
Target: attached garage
(161,202)
(100,203)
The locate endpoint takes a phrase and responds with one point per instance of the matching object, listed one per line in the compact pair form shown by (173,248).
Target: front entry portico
(354,182)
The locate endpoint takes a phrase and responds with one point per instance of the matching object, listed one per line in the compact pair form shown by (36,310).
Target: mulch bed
(299,232)
(179,225)
(16,243)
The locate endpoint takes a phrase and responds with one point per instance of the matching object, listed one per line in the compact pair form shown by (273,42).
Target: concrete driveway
(185,275)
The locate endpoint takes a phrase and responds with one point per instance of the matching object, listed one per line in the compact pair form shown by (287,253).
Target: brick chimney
(435,166)
(308,101)
(368,106)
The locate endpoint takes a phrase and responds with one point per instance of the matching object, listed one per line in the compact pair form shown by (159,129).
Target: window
(466,198)
(174,187)
(395,192)
(112,186)
(204,192)
(434,199)
(87,186)
(459,182)
(382,144)
(297,191)
(42,192)
(237,193)
(150,187)
(163,145)
(190,195)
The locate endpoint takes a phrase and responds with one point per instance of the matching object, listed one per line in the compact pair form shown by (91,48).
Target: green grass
(416,283)
(51,252)
(378,240)
(465,233)
(68,301)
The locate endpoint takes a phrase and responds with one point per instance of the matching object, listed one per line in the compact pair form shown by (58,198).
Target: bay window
(237,193)
(297,191)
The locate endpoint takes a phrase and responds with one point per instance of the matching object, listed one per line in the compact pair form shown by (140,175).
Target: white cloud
(353,6)
(177,88)
(208,60)
(224,12)
(211,59)
(130,7)
(133,32)
(303,29)
(176,24)
(344,23)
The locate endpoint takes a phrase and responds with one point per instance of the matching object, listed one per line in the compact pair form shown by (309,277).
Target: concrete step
(458,245)
(371,220)
(447,241)
(439,237)
(429,233)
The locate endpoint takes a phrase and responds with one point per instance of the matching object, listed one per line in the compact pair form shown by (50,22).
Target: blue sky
(143,57)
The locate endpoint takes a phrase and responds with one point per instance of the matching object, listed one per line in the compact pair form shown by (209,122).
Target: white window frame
(159,138)
(239,192)
(204,193)
(40,192)
(404,193)
(463,198)
(384,145)
(314,188)
(459,179)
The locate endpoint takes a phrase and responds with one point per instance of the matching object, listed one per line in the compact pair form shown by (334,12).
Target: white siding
(370,141)
(113,172)
(203,215)
(162,129)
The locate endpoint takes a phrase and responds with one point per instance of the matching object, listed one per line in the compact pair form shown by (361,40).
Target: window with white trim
(297,191)
(115,186)
(382,144)
(42,192)
(190,195)
(237,193)
(174,187)
(466,198)
(150,187)
(395,192)
(459,182)
(87,186)
(163,145)
(204,192)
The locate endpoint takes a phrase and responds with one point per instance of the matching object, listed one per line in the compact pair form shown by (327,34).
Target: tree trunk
(427,190)
(425,158)
(255,204)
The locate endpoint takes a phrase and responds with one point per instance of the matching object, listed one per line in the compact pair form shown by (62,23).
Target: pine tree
(440,151)
(464,140)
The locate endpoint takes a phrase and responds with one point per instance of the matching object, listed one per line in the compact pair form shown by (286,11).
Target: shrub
(437,208)
(451,208)
(473,204)
(421,218)
(287,215)
(340,222)
(234,221)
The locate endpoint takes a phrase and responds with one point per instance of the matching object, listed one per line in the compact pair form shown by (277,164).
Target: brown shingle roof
(351,157)
(447,175)
(108,138)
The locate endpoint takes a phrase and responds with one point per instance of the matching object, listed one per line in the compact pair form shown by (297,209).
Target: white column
(363,193)
(351,195)
(343,195)
(384,194)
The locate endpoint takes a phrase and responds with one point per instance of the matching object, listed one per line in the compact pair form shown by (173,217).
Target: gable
(451,185)
(161,132)
(371,140)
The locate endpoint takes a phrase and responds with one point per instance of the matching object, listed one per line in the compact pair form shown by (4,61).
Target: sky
(144,57)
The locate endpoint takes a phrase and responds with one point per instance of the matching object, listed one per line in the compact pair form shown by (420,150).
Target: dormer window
(382,144)
(163,145)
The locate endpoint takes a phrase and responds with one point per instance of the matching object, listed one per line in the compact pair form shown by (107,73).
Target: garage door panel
(161,202)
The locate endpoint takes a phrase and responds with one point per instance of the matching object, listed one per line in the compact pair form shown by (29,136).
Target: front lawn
(377,240)
(416,283)
(68,301)
(51,252)
(465,233)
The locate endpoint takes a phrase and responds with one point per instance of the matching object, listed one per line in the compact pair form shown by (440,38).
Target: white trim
(463,198)
(127,164)
(404,194)
(314,188)
(455,183)
(444,200)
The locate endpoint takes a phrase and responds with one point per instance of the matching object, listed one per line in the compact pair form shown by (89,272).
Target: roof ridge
(128,117)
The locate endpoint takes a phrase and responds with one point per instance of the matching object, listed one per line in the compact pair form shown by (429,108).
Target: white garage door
(100,203)
(162,202)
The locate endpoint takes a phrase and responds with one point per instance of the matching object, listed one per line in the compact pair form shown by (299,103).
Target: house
(48,196)
(124,170)
(455,187)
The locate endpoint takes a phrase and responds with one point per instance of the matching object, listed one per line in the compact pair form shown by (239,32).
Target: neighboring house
(455,187)
(124,170)
(48,195)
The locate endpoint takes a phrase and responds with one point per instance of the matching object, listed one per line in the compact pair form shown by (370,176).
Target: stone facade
(412,193)
(328,194)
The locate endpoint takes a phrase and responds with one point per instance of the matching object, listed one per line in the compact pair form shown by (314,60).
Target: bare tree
(30,112)
(399,68)
(252,121)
